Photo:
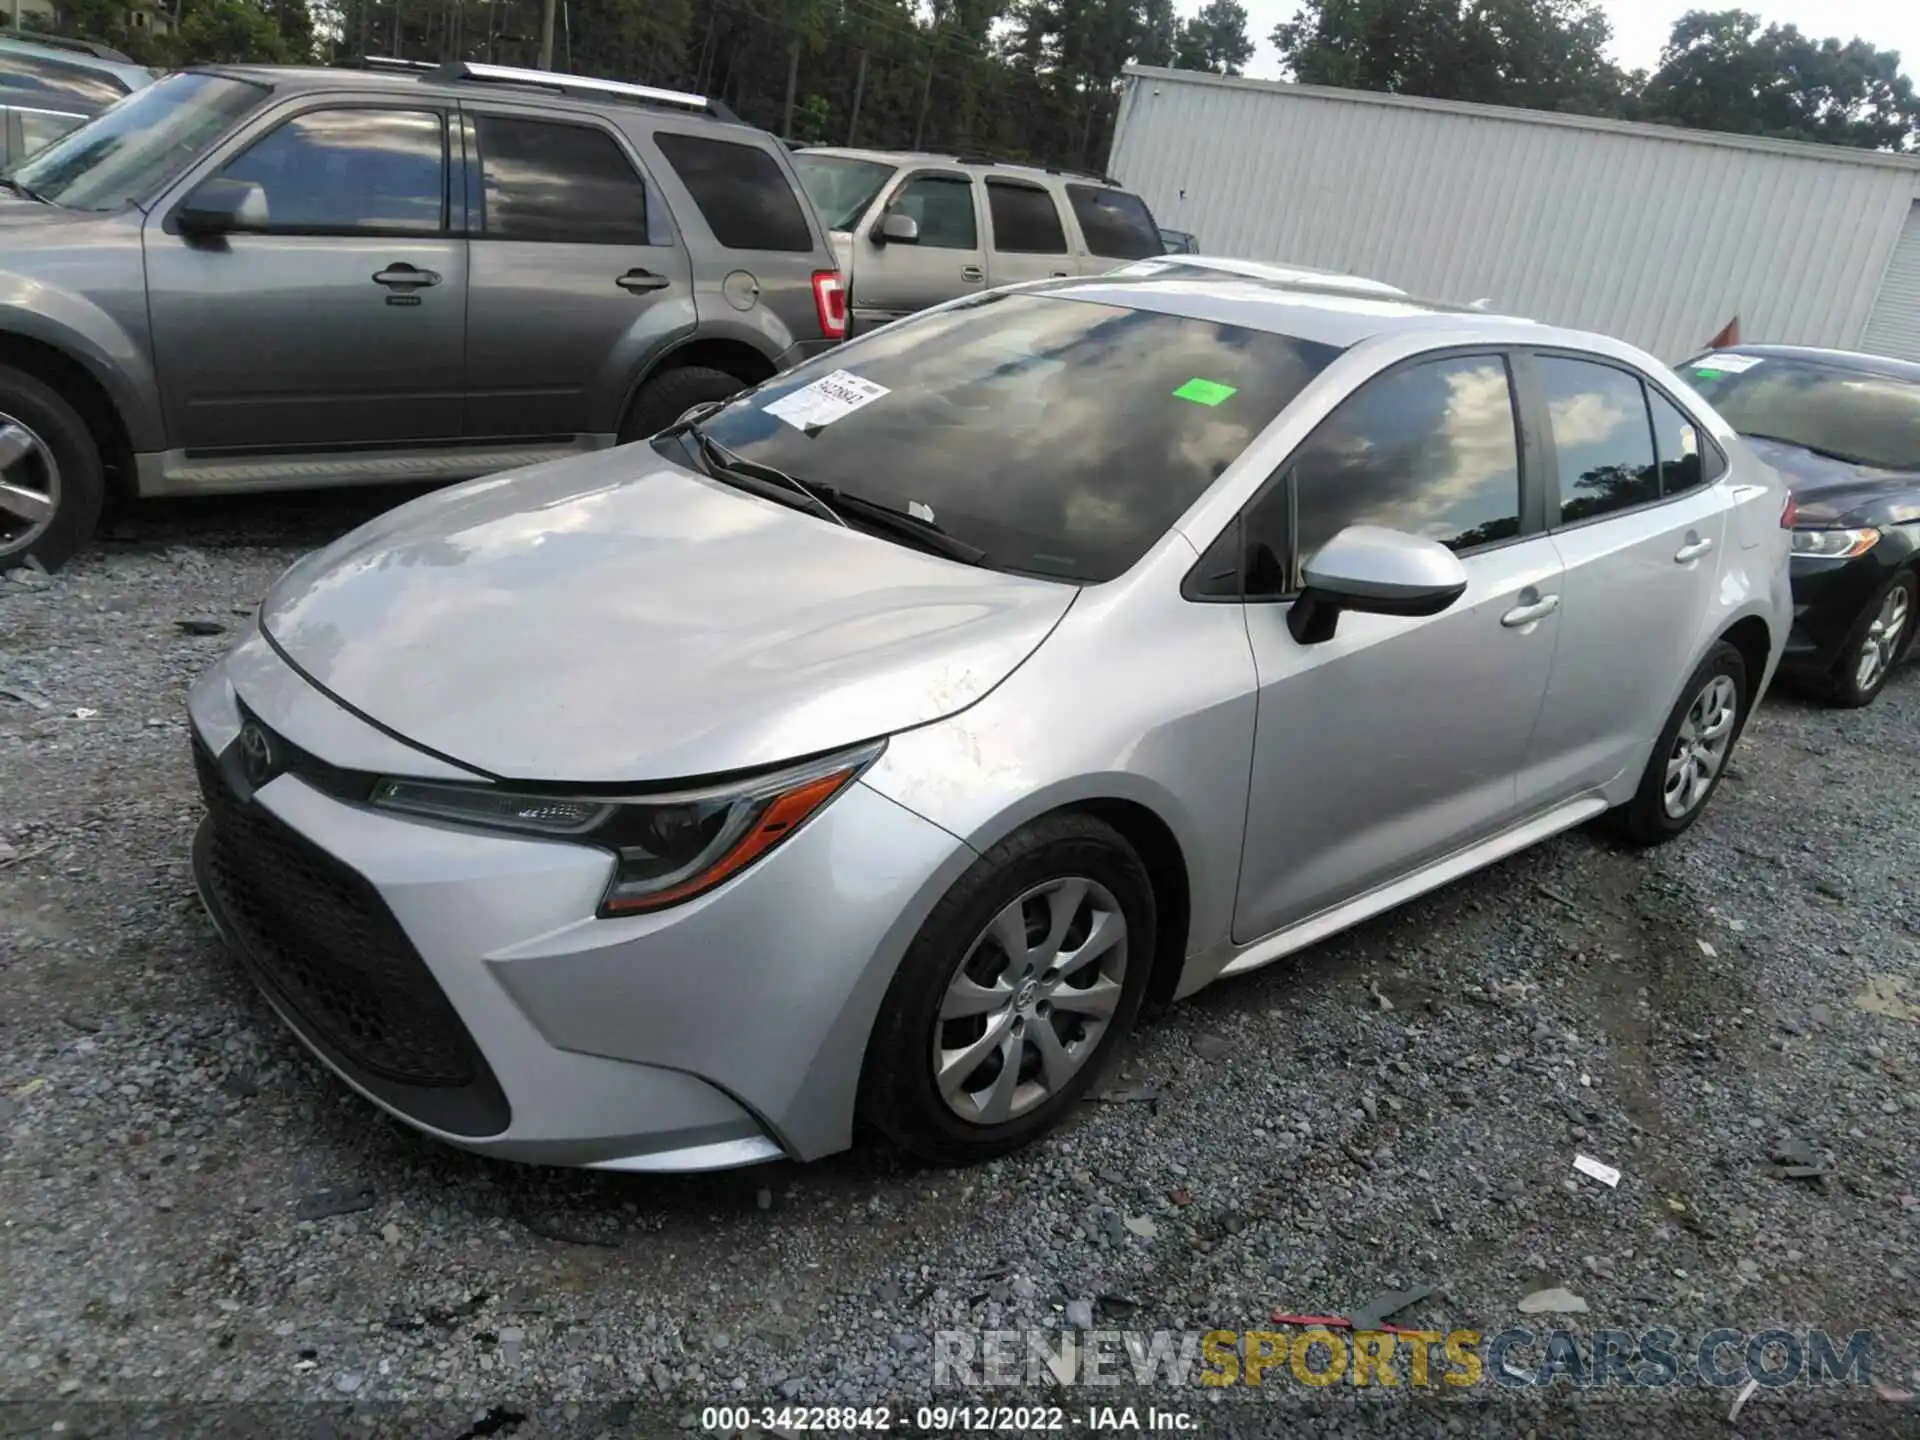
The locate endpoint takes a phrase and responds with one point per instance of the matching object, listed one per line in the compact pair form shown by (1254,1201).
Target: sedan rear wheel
(1690,756)
(1014,995)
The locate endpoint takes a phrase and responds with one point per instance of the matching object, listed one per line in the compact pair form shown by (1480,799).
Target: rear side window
(558,182)
(56,81)
(1602,437)
(1025,219)
(741,190)
(43,127)
(351,169)
(1681,446)
(1431,450)
(1117,225)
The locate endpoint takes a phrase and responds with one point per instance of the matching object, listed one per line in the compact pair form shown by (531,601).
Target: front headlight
(1834,544)
(670,847)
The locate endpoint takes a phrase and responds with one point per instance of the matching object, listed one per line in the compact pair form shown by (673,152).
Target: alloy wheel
(1700,749)
(1882,642)
(29,486)
(1029,1004)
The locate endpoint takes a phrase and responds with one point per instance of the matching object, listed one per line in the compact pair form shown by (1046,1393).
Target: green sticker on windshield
(1708,370)
(1204,392)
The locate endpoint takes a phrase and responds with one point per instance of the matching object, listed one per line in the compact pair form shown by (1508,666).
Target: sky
(1640,27)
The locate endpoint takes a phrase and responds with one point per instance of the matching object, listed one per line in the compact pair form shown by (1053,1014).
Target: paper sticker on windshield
(830,398)
(1727,364)
(1204,392)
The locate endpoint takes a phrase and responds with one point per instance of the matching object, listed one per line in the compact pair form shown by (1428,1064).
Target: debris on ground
(1557,1301)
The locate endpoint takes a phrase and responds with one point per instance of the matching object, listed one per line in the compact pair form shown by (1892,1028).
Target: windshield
(841,188)
(1061,438)
(133,150)
(1871,420)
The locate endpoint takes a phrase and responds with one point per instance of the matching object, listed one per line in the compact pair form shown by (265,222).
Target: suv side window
(1602,437)
(348,170)
(742,192)
(543,180)
(57,81)
(40,128)
(1025,219)
(1680,445)
(1117,225)
(1432,449)
(942,206)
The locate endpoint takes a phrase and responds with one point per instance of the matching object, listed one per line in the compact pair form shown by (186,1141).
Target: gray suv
(261,279)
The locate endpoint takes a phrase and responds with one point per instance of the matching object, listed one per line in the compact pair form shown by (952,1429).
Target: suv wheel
(1691,755)
(1014,995)
(668,396)
(51,481)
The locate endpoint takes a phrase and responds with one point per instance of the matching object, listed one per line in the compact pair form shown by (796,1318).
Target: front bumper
(1828,599)
(459,979)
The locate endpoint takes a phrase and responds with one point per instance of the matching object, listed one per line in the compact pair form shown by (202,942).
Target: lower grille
(323,940)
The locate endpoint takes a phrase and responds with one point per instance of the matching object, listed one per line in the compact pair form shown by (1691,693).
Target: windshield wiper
(1811,449)
(910,527)
(22,191)
(722,461)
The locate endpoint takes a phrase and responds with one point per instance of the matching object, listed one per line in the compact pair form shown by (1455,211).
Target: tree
(1721,71)
(1215,39)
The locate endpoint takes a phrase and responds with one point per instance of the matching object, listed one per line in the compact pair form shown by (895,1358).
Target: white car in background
(1256,270)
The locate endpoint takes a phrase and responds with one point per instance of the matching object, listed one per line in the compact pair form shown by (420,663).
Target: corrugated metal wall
(1895,326)
(1655,236)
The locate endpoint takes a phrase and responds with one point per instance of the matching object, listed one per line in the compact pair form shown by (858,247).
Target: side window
(942,206)
(56,81)
(743,194)
(1264,531)
(544,181)
(1431,450)
(1117,225)
(1025,219)
(350,170)
(1602,437)
(1681,447)
(39,128)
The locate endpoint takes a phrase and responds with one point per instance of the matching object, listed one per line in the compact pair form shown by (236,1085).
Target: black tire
(1644,820)
(670,394)
(898,1095)
(1841,687)
(82,483)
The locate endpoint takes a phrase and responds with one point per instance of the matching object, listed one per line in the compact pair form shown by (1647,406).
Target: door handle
(1059,275)
(636,281)
(1692,550)
(972,272)
(405,277)
(1527,614)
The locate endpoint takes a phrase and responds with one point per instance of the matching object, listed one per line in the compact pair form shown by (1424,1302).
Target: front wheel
(1014,995)
(1876,642)
(1690,757)
(52,484)
(670,395)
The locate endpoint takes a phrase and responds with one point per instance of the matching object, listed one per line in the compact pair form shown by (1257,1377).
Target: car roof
(132,76)
(1883,365)
(1259,270)
(972,162)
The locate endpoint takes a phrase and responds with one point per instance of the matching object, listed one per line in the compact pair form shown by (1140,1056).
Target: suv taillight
(1789,512)
(830,300)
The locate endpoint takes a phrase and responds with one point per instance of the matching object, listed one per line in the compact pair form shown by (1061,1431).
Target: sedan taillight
(830,301)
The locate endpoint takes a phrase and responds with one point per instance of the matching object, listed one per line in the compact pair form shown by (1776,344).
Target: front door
(577,276)
(1640,535)
(948,260)
(339,320)
(1399,740)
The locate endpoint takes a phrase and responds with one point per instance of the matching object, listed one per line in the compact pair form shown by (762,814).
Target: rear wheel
(1878,639)
(1014,995)
(1690,757)
(51,480)
(671,394)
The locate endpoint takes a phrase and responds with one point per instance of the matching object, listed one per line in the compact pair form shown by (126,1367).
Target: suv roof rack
(67,42)
(580,86)
(394,62)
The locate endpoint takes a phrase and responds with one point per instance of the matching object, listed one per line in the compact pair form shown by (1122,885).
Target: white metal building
(1661,236)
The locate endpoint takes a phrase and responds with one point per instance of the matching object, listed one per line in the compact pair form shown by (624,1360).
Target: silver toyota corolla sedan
(869,747)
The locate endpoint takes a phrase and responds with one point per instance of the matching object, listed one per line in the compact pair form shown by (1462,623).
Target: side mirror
(220,207)
(897,230)
(1377,572)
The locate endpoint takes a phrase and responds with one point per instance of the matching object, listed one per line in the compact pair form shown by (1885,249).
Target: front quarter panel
(1138,696)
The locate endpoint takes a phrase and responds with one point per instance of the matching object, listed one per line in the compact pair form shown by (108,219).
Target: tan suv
(914,230)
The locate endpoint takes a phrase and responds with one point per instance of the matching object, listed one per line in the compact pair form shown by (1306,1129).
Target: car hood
(615,618)
(1837,492)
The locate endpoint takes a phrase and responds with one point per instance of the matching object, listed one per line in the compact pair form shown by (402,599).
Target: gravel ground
(191,1211)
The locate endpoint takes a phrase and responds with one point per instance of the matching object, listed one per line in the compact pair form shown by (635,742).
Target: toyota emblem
(258,759)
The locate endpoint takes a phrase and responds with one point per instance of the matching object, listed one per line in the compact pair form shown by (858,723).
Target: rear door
(1638,525)
(341,319)
(577,274)
(1114,226)
(1027,234)
(949,259)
